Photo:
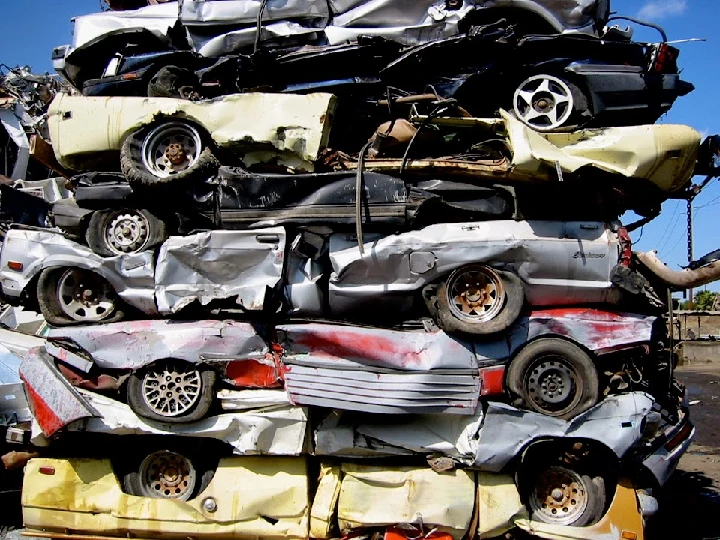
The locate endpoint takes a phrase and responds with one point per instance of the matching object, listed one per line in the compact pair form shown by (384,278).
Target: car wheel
(170,152)
(76,296)
(164,474)
(554,377)
(171,391)
(546,103)
(560,495)
(119,232)
(477,300)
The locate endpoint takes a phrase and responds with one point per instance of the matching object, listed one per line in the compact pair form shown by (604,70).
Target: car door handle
(267,238)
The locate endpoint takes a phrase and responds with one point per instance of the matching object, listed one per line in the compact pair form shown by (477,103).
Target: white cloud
(660,9)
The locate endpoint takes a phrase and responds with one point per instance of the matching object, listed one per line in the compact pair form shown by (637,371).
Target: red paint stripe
(49,422)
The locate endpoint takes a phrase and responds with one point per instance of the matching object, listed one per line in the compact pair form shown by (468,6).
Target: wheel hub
(172,389)
(176,154)
(84,296)
(168,475)
(559,495)
(544,102)
(475,294)
(551,383)
(128,232)
(171,149)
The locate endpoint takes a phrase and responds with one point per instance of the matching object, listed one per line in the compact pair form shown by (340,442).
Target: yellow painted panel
(372,496)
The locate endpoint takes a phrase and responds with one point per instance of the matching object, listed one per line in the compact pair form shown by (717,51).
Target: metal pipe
(679,279)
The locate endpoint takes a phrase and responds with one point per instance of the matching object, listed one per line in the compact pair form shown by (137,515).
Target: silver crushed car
(474,278)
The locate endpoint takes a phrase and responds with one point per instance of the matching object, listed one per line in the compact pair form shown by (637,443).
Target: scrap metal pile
(350,269)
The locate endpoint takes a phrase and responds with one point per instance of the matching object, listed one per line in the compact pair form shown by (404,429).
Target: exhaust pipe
(679,279)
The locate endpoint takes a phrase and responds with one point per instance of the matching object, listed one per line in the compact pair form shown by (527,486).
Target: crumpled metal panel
(132,276)
(54,403)
(488,440)
(85,495)
(133,344)
(373,496)
(664,154)
(261,127)
(615,422)
(378,370)
(560,262)
(276,431)
(451,392)
(333,345)
(219,264)
(13,403)
(158,19)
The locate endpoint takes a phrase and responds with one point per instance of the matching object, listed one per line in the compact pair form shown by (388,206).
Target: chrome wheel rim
(85,296)
(167,475)
(475,294)
(128,231)
(543,102)
(170,149)
(553,386)
(560,496)
(171,389)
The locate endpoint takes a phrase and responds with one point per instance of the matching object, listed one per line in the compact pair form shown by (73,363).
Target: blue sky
(30,29)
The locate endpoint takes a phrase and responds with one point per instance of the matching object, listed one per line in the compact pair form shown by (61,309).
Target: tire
(68,296)
(547,102)
(165,474)
(174,82)
(560,495)
(145,161)
(182,404)
(494,304)
(124,231)
(554,377)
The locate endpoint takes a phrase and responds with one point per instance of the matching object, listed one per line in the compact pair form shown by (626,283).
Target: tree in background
(704,300)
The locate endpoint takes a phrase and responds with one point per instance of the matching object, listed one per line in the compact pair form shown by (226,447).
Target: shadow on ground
(689,509)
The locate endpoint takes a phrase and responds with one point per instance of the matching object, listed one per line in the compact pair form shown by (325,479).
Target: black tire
(143,141)
(554,377)
(576,115)
(504,308)
(191,405)
(142,231)
(174,82)
(190,476)
(561,495)
(58,309)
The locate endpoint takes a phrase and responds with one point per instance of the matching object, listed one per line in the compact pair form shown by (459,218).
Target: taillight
(50,471)
(625,247)
(663,57)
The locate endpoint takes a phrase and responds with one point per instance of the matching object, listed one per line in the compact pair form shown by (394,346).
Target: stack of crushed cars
(352,269)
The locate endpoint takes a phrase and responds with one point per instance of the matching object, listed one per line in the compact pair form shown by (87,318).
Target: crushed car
(472,278)
(551,361)
(556,79)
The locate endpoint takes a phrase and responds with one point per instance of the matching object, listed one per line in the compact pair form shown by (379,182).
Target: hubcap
(171,149)
(560,496)
(475,294)
(128,232)
(543,102)
(172,388)
(167,475)
(84,296)
(553,386)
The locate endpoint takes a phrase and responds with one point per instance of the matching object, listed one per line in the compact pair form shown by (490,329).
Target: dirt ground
(690,501)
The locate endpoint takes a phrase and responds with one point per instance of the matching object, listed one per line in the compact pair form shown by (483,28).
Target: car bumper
(663,461)
(626,89)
